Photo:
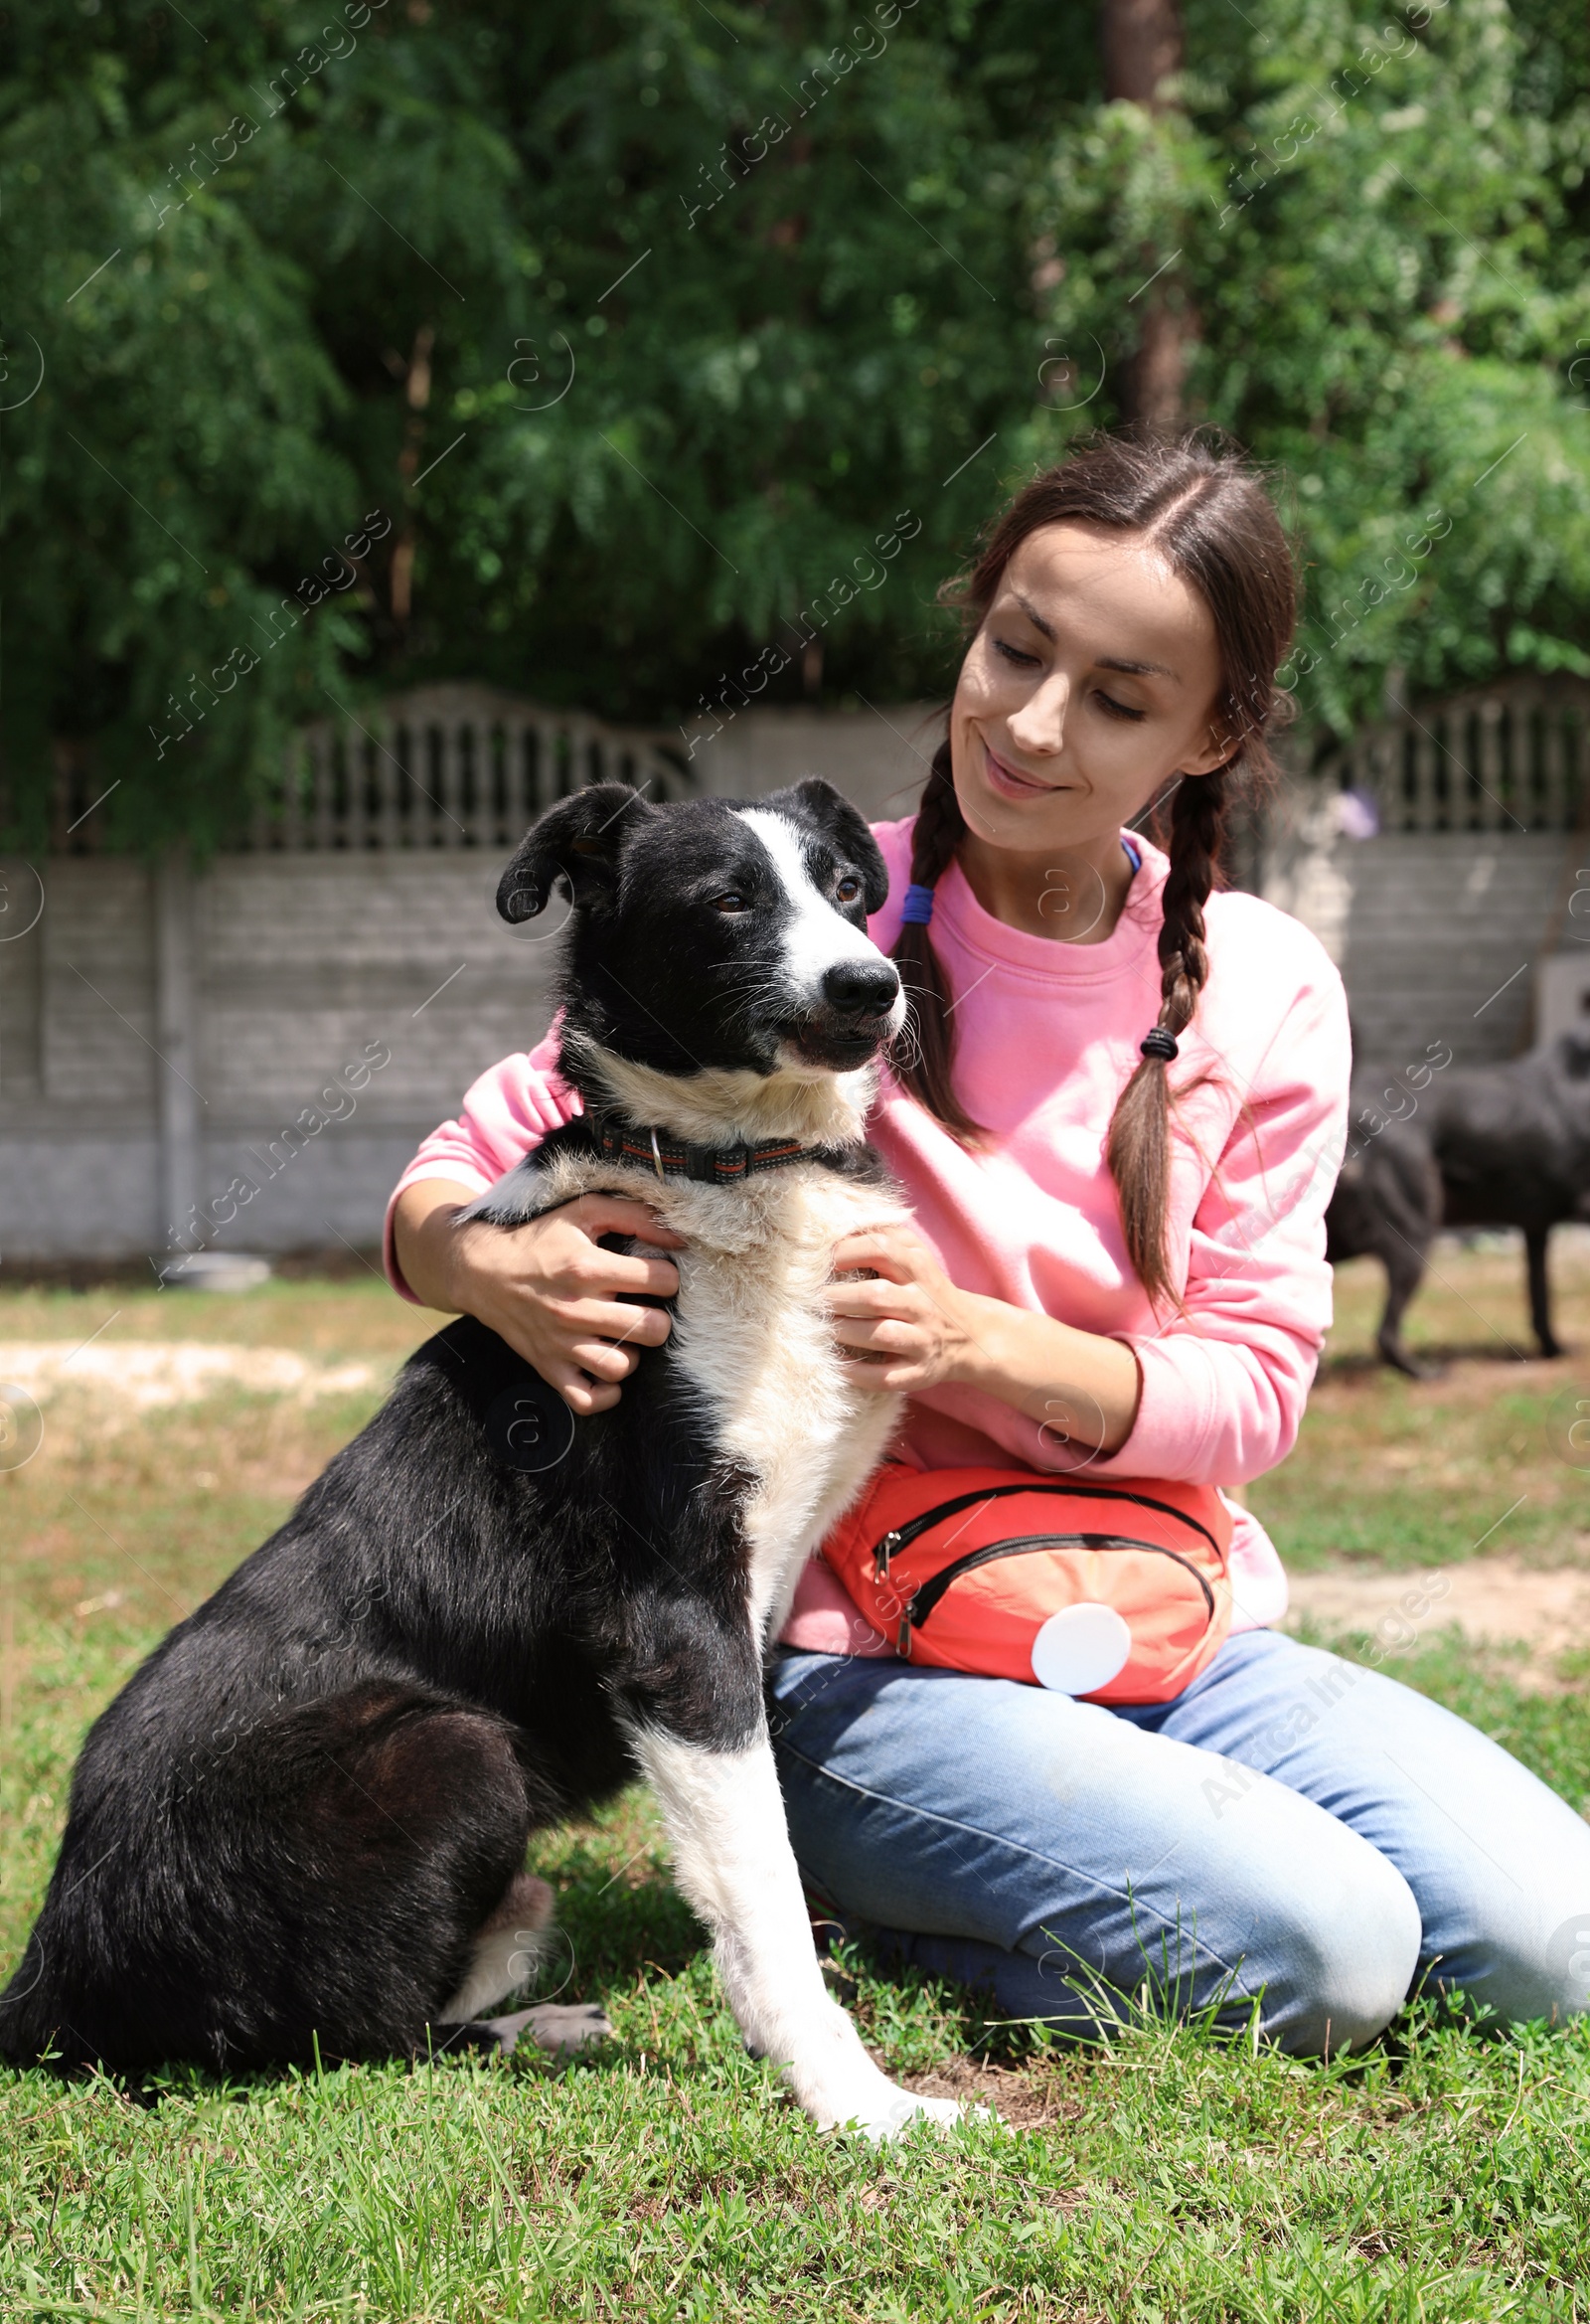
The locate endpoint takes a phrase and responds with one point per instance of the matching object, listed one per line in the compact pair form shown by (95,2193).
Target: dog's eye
(849,890)
(729,901)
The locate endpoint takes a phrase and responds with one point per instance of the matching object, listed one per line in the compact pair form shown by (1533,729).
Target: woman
(1118,1127)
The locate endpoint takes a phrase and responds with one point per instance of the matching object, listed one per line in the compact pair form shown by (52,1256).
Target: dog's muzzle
(854,1017)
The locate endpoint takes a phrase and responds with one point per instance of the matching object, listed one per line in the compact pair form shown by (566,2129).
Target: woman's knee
(1345,1957)
(1513,1966)
(1565,1973)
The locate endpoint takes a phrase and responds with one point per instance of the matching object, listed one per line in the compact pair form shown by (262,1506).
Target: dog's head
(711,936)
(1573,1054)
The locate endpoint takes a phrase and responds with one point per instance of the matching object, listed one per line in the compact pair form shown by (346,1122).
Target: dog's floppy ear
(816,801)
(579,841)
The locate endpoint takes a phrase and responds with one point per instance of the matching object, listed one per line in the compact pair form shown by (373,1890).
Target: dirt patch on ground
(142,1375)
(1494,1602)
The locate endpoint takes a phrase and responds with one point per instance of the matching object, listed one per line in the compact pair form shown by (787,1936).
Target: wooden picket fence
(450,766)
(1513,757)
(463,765)
(439,766)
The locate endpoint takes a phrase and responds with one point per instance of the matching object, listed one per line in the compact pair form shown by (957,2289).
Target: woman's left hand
(903,1325)
(896,1312)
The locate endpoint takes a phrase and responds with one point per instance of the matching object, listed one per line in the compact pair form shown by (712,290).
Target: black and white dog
(304,1820)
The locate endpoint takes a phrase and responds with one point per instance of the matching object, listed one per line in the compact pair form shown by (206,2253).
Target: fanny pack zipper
(924,1600)
(906,1534)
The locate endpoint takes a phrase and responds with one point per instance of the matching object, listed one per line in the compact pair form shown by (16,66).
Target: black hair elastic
(1158,1043)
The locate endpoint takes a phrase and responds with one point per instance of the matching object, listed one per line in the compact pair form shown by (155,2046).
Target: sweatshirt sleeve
(504,1116)
(1225,1381)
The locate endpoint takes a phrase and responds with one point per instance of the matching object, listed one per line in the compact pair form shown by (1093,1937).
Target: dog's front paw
(879,2109)
(905,2111)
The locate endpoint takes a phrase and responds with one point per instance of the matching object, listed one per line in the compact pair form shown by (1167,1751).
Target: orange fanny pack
(1114,1592)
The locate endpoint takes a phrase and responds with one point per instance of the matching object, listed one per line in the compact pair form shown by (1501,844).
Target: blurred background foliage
(582,350)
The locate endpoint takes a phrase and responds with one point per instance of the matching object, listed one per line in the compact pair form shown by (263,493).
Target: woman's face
(1091,683)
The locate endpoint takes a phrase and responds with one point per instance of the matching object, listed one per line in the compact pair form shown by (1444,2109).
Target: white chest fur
(753,1338)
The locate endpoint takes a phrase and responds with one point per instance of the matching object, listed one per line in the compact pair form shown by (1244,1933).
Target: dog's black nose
(862,988)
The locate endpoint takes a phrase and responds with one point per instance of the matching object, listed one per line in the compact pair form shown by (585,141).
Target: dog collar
(673,1157)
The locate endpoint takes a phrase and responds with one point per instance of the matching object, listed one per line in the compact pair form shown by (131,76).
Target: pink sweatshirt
(1048,1035)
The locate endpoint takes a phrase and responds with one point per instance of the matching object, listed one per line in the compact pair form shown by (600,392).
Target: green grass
(1425,1472)
(1169,2176)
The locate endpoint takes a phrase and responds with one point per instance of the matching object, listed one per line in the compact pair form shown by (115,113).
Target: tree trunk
(416,376)
(1142,45)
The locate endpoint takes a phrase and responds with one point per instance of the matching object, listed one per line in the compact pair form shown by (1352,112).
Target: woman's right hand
(548,1289)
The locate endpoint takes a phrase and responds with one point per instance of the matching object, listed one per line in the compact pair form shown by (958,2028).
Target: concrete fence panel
(245,1054)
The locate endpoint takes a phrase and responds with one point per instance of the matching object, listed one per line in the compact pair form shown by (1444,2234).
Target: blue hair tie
(919,907)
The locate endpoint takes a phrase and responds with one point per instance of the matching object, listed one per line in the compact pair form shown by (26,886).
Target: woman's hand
(906,1327)
(548,1289)
(909,1328)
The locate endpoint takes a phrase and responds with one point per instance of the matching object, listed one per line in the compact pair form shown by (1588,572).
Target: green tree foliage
(596,352)
(1380,239)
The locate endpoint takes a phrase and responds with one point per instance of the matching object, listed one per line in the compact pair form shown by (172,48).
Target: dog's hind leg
(1535,1240)
(315,1880)
(507,1950)
(424,1807)
(506,1954)
(473,1798)
(1403,1206)
(1405,1263)
(724,1815)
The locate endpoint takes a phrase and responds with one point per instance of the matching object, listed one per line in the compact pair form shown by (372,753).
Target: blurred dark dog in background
(1489,1146)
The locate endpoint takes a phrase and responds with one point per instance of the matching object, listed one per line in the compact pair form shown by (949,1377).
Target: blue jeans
(1293,1830)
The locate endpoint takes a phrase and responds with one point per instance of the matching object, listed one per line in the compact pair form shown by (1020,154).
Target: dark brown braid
(1139,1147)
(1204,508)
(926,1066)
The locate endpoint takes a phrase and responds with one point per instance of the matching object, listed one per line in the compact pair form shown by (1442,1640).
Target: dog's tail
(33,2026)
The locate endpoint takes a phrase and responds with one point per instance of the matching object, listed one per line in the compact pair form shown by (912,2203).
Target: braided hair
(927,1070)
(1207,512)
